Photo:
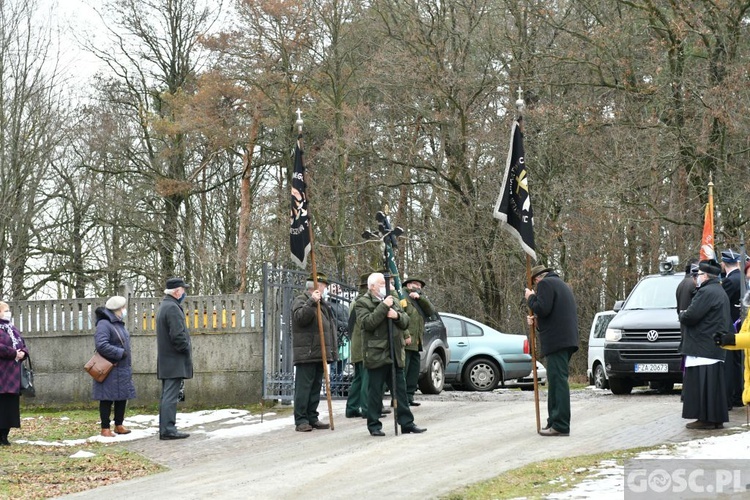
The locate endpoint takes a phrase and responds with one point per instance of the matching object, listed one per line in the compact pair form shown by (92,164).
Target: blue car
(482,357)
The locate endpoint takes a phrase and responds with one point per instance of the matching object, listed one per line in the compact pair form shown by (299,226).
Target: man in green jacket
(374,311)
(307,352)
(356,403)
(419,308)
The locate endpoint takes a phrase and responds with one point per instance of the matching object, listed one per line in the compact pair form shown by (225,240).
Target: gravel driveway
(470,437)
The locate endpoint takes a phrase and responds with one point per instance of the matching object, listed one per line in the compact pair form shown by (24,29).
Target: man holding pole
(307,352)
(374,311)
(556,319)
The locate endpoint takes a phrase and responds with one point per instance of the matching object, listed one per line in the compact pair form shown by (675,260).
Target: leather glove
(724,339)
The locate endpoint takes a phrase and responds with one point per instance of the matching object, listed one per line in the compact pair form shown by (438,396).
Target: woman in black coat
(112,341)
(12,351)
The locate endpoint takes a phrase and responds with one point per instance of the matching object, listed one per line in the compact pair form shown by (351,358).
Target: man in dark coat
(374,311)
(555,315)
(307,352)
(733,364)
(685,291)
(174,359)
(419,308)
(704,396)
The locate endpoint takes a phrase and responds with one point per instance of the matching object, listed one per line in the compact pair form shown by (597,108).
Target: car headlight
(613,335)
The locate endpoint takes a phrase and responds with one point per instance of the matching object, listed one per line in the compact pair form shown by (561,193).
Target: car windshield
(657,292)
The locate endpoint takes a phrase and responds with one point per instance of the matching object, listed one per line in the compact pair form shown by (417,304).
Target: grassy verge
(535,481)
(35,472)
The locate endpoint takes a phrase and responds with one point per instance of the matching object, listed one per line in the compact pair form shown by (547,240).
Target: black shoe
(414,403)
(4,442)
(320,425)
(377,433)
(412,429)
(173,435)
(354,414)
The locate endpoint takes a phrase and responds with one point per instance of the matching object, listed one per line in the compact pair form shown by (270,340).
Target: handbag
(27,379)
(98,367)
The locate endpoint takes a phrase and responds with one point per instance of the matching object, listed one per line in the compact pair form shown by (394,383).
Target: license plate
(651,368)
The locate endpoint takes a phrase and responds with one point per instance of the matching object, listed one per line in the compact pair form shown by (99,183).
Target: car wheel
(434,380)
(620,386)
(600,380)
(481,375)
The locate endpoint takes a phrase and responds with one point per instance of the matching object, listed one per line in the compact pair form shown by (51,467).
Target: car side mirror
(618,305)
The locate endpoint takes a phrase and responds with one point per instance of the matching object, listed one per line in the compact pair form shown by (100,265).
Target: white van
(596,372)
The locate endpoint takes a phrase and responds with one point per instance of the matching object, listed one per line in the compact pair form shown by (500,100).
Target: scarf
(8,328)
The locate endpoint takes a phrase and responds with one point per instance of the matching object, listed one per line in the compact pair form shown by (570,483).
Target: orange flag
(707,241)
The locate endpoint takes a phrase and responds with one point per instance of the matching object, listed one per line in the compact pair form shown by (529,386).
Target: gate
(280,287)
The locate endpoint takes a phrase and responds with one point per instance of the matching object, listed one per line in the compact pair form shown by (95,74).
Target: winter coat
(305,332)
(684,295)
(418,310)
(174,353)
(355,348)
(10,369)
(118,386)
(731,285)
(554,306)
(708,314)
(372,320)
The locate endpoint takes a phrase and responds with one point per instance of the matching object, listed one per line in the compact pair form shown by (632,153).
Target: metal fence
(280,286)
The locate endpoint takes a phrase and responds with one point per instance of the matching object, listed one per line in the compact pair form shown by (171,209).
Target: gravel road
(470,437)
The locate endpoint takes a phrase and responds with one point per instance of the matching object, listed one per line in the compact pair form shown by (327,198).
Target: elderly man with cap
(308,352)
(730,282)
(112,341)
(419,309)
(555,315)
(174,358)
(356,403)
(704,394)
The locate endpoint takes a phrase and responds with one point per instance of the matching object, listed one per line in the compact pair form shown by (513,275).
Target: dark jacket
(118,385)
(707,315)
(684,296)
(174,358)
(556,312)
(731,285)
(355,348)
(372,319)
(305,332)
(419,310)
(10,369)
(341,317)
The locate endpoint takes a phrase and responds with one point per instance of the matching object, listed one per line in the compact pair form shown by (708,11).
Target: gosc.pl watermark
(687,478)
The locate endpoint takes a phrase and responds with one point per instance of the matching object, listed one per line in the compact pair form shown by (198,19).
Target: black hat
(710,267)
(409,279)
(363,279)
(730,256)
(173,283)
(539,269)
(322,278)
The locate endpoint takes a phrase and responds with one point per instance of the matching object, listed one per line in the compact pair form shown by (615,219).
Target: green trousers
(411,373)
(558,390)
(308,379)
(378,377)
(357,400)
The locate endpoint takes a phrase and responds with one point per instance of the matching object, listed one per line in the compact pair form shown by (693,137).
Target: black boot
(4,437)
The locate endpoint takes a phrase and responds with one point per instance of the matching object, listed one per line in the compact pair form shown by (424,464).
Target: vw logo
(652,335)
